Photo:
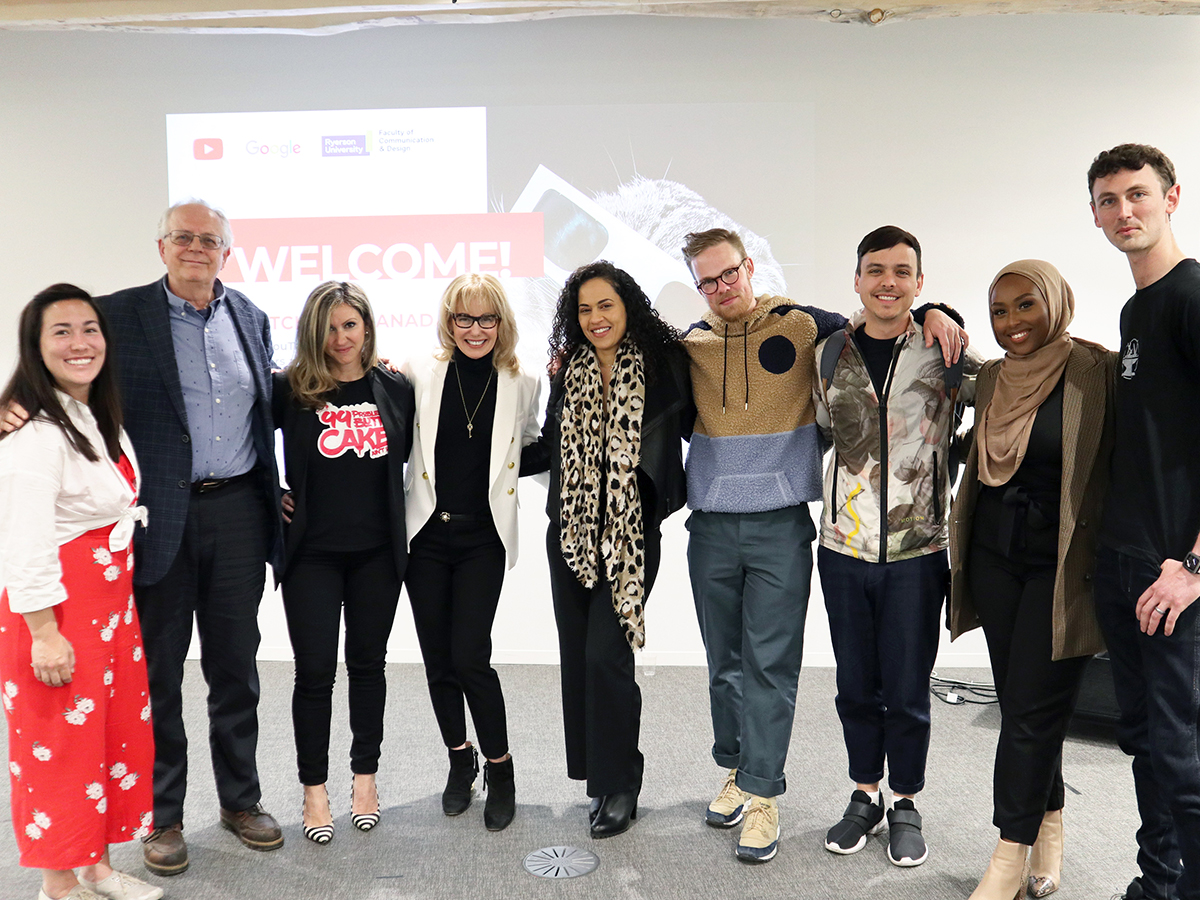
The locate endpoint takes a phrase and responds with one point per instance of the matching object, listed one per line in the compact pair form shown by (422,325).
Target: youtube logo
(208,148)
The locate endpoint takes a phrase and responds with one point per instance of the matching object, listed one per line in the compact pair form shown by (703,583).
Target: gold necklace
(471,415)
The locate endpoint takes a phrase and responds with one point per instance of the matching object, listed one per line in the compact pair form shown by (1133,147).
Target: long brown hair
(34,387)
(309,375)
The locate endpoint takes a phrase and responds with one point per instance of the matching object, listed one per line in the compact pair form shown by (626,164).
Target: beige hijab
(1025,381)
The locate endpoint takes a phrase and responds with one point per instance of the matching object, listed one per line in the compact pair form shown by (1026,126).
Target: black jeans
(217,577)
(884,620)
(320,585)
(602,703)
(455,573)
(1157,681)
(1015,603)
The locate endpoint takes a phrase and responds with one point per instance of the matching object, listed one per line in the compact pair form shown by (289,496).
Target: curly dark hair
(1132,157)
(658,341)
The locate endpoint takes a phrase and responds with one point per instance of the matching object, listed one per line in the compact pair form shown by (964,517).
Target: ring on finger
(1161,612)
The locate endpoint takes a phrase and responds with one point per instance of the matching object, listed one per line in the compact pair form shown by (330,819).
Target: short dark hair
(886,238)
(644,328)
(33,386)
(1132,157)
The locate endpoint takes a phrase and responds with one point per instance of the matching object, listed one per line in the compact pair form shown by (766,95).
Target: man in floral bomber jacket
(886,403)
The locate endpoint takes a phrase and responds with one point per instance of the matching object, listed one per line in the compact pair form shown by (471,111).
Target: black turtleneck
(461,463)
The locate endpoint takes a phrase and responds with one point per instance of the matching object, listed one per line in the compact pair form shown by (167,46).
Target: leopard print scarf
(600,454)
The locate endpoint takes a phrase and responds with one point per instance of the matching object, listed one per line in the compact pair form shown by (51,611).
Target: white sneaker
(79,892)
(119,886)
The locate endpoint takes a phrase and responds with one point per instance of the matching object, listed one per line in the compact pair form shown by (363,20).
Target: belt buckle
(445,517)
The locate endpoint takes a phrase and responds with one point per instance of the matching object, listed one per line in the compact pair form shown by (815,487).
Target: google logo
(283,149)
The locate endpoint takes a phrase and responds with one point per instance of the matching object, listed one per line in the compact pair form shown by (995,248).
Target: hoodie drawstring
(745,365)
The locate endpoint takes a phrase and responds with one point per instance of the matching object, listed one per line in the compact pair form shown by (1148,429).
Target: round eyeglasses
(729,276)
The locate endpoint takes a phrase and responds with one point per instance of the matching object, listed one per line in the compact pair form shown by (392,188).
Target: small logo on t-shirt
(355,428)
(1129,360)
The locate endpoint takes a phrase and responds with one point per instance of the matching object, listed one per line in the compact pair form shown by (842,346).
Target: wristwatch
(1191,562)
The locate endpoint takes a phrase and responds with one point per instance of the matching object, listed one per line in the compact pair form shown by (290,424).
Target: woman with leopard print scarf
(620,404)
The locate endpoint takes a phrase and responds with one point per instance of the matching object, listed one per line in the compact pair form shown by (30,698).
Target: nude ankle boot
(1006,874)
(1045,860)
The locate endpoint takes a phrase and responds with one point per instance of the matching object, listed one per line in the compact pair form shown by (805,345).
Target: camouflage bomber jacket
(907,474)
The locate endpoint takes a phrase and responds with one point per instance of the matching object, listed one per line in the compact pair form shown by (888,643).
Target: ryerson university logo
(345,145)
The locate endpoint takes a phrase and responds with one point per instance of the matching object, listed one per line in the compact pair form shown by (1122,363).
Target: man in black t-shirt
(1148,562)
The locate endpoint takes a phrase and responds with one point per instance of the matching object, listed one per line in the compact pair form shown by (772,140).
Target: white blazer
(515,425)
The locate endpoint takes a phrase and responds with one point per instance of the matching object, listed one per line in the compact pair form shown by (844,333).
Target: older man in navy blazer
(194,361)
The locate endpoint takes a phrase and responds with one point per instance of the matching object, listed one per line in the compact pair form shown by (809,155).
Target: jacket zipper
(883,452)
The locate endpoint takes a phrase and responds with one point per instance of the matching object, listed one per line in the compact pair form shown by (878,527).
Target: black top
(1153,508)
(461,461)
(347,473)
(1021,517)
(877,354)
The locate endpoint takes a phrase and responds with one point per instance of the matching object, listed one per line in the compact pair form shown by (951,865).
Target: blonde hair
(309,373)
(488,290)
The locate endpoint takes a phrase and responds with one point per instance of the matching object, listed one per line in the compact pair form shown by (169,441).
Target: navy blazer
(393,394)
(156,419)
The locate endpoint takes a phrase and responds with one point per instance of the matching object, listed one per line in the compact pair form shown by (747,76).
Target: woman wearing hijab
(620,403)
(1022,544)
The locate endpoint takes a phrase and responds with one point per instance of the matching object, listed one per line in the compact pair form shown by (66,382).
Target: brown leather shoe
(255,827)
(164,851)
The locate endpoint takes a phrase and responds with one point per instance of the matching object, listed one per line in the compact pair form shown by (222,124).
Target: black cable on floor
(957,692)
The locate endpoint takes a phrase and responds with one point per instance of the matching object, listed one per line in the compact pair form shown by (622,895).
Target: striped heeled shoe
(318,834)
(364,821)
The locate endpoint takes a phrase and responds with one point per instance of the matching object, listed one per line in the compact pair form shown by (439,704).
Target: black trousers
(602,703)
(1015,602)
(318,588)
(218,578)
(455,573)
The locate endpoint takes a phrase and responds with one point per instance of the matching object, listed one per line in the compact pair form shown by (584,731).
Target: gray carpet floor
(416,852)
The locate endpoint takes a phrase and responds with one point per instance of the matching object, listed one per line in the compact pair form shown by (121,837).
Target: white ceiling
(333,16)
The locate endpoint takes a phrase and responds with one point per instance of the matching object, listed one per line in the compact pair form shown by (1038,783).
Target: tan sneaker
(760,832)
(119,886)
(726,810)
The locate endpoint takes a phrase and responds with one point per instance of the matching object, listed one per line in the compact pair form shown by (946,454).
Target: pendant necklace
(471,415)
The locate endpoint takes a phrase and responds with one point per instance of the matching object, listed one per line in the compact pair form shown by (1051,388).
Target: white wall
(973,133)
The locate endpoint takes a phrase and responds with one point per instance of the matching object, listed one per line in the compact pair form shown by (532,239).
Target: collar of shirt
(179,305)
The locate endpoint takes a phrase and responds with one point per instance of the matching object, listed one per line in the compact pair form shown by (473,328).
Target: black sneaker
(862,817)
(1133,892)
(906,846)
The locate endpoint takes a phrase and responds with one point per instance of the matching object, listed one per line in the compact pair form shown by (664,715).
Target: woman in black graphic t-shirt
(347,430)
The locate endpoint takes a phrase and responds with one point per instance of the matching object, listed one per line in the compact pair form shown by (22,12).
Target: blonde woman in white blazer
(475,412)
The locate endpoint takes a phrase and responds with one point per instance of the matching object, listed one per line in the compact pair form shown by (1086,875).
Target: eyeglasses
(185,238)
(488,321)
(729,276)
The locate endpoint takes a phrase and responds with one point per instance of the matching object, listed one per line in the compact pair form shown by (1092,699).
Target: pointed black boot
(501,803)
(460,784)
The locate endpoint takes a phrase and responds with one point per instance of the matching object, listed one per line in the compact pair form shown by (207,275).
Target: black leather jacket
(666,420)
(393,394)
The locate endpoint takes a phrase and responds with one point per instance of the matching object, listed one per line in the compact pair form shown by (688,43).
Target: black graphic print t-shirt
(347,474)
(1153,508)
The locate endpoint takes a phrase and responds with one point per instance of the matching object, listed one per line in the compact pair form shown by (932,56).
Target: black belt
(462,517)
(215,484)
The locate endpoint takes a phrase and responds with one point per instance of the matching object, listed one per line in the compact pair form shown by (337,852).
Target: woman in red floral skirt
(72,673)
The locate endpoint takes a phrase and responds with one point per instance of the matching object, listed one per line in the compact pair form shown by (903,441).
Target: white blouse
(51,494)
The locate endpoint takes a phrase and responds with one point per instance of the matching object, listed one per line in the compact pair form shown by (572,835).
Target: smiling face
(192,267)
(1133,209)
(1020,315)
(475,342)
(730,302)
(72,346)
(601,316)
(344,345)
(887,283)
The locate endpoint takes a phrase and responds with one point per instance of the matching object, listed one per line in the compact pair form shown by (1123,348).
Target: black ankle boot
(615,813)
(501,803)
(460,784)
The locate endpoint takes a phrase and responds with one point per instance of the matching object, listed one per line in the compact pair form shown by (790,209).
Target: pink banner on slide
(369,248)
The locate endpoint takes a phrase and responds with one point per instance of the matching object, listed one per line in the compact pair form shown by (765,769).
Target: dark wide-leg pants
(602,703)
